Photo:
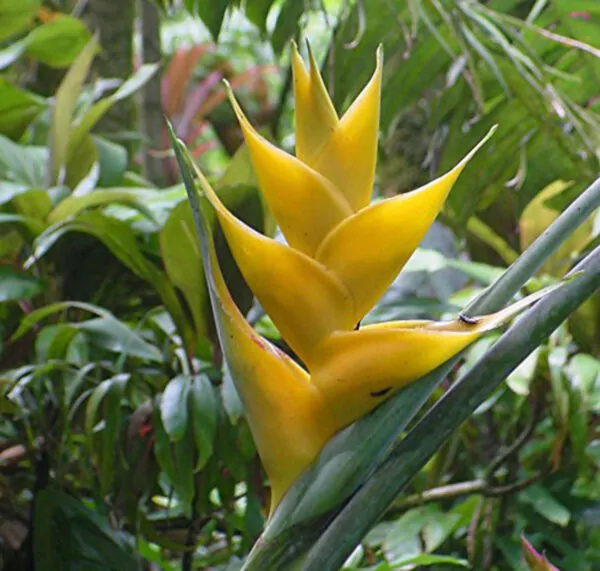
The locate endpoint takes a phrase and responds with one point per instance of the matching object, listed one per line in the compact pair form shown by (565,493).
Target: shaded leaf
(203,408)
(15,285)
(174,407)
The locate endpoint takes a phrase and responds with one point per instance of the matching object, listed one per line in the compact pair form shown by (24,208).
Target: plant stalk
(370,502)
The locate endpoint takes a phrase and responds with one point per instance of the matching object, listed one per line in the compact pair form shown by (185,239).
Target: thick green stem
(371,501)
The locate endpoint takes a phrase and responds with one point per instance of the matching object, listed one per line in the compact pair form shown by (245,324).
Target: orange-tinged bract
(341,255)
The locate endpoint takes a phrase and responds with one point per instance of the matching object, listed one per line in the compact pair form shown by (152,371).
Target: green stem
(532,259)
(446,416)
(318,493)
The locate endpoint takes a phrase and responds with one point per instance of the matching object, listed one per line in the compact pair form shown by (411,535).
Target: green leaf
(162,444)
(64,106)
(18,108)
(72,205)
(16,285)
(121,241)
(426,560)
(86,123)
(105,331)
(93,405)
(184,459)
(257,12)
(28,224)
(22,164)
(546,505)
(183,263)
(32,319)
(70,533)
(174,407)
(212,12)
(58,42)
(113,335)
(16,16)
(203,408)
(287,24)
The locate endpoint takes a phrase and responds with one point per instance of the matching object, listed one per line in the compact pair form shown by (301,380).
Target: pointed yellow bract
(341,255)
(315,115)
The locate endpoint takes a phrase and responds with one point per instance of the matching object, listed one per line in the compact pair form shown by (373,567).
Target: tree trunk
(151,112)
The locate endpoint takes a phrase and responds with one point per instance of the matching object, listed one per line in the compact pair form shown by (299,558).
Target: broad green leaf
(212,13)
(257,11)
(83,535)
(17,109)
(113,335)
(16,285)
(22,164)
(204,411)
(58,42)
(287,24)
(34,203)
(113,161)
(72,205)
(16,16)
(64,106)
(546,504)
(183,264)
(174,407)
(81,161)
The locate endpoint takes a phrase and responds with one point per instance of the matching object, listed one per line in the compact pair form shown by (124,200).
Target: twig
(453,491)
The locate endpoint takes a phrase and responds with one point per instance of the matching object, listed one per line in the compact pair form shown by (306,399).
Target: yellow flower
(341,254)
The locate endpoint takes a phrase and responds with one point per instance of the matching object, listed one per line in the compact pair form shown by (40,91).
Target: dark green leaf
(212,12)
(287,24)
(257,12)
(204,411)
(69,533)
(15,285)
(174,407)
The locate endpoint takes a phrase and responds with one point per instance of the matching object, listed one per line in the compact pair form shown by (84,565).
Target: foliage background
(122,441)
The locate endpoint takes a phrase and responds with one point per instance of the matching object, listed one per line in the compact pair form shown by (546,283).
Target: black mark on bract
(357,326)
(467,320)
(381,393)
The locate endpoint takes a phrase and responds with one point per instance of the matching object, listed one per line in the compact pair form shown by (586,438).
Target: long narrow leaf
(355,452)
(365,508)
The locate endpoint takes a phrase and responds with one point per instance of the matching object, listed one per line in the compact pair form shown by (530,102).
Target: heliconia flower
(341,255)
(348,250)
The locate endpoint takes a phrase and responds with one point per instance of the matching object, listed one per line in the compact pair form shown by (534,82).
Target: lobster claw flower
(292,413)
(341,254)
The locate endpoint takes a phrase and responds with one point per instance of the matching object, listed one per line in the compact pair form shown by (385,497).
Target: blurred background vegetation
(123,444)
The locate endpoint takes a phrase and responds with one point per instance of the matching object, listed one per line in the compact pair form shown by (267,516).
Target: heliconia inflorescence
(342,253)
